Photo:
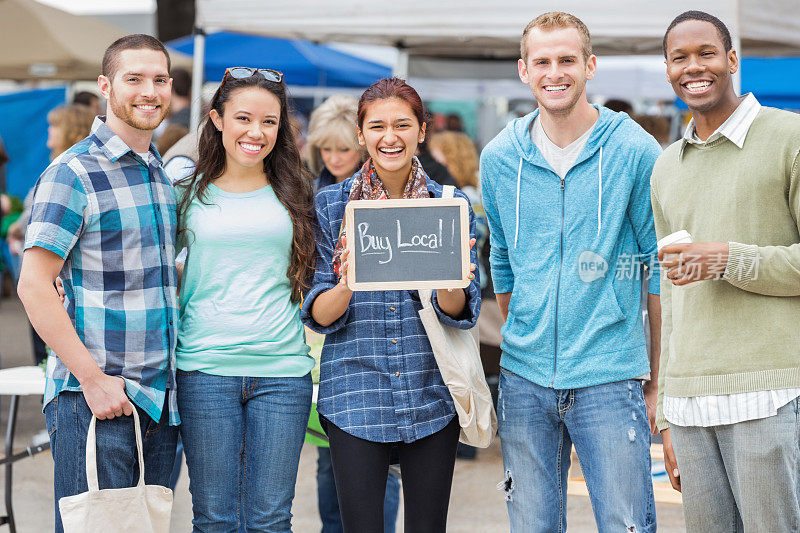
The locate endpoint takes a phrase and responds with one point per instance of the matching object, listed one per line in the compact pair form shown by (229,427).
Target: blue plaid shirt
(112,218)
(378,377)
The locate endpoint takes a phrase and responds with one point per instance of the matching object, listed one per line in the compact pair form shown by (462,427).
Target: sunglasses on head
(245,72)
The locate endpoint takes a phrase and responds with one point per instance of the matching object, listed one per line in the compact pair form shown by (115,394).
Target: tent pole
(401,67)
(198,75)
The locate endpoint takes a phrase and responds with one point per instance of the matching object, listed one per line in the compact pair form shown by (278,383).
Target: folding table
(16,382)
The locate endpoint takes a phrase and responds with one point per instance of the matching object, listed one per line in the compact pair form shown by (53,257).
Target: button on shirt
(378,377)
(111,216)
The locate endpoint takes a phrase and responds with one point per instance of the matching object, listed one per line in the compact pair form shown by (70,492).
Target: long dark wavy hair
(283,167)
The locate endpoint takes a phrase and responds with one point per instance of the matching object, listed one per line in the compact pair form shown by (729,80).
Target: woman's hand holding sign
(331,304)
(452,301)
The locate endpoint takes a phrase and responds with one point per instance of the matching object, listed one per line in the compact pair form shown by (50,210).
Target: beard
(126,113)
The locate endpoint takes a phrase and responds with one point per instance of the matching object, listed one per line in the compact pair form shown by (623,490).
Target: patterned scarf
(368,186)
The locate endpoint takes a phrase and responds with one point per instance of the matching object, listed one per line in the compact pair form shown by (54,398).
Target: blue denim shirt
(378,377)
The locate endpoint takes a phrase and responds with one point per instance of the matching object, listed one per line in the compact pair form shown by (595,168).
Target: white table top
(22,380)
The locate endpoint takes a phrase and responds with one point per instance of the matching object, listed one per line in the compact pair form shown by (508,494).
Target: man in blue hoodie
(567,193)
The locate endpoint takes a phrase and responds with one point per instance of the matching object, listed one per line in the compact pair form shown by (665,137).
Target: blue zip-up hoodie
(570,252)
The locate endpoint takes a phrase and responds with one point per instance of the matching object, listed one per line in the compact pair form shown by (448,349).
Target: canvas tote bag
(459,361)
(143,508)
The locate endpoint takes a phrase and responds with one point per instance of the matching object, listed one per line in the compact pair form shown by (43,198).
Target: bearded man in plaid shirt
(104,219)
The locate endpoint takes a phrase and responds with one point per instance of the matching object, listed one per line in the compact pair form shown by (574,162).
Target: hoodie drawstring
(516,229)
(599,192)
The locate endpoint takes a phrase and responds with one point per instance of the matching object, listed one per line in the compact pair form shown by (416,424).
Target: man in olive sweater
(729,376)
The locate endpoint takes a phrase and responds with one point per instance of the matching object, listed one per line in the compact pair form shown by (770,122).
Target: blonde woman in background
(333,156)
(67,125)
(333,150)
(456,151)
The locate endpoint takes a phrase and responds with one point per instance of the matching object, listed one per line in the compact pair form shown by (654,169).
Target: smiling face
(249,125)
(391,133)
(556,71)
(698,67)
(341,161)
(140,90)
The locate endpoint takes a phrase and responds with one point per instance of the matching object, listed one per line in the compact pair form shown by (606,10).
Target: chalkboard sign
(407,244)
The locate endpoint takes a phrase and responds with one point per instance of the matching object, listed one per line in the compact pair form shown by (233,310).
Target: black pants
(360,468)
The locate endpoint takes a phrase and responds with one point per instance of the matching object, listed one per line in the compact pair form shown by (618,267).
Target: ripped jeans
(608,426)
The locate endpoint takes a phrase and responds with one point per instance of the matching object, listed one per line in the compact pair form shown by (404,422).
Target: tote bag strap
(91,452)
(426,295)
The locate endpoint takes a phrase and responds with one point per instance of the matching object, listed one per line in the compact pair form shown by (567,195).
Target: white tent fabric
(477,28)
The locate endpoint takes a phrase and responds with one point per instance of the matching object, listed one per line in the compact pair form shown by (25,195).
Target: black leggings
(360,468)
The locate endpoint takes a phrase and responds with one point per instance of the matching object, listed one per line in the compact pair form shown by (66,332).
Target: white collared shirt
(734,129)
(705,411)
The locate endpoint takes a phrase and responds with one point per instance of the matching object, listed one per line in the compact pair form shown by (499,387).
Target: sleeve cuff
(308,302)
(469,318)
(503,281)
(742,264)
(654,282)
(47,246)
(661,421)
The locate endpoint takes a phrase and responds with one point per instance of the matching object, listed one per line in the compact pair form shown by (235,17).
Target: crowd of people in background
(188,280)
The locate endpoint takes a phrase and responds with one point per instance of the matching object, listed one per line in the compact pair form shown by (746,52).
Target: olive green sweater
(740,333)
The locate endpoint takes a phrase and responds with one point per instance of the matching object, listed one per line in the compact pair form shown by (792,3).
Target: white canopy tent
(481,29)
(466,38)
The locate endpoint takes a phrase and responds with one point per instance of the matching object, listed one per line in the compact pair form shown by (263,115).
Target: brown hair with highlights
(284,169)
(74,123)
(461,157)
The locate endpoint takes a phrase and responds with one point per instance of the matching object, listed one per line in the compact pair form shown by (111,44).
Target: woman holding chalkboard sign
(244,388)
(380,387)
(334,154)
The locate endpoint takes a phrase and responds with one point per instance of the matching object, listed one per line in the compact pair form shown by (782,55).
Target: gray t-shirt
(561,159)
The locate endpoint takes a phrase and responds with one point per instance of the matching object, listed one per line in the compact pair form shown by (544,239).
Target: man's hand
(670,463)
(696,261)
(650,400)
(106,396)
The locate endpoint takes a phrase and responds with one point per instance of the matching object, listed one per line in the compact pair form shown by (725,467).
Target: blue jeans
(242,438)
(741,477)
(68,417)
(329,504)
(608,426)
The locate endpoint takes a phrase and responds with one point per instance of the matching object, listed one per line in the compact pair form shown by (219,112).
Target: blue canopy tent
(773,80)
(23,128)
(302,62)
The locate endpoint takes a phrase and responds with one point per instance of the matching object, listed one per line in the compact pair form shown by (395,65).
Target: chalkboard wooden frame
(433,203)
